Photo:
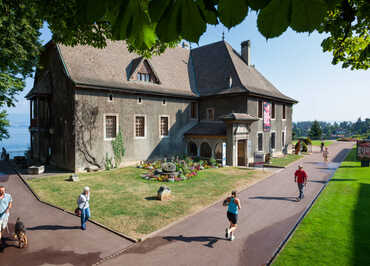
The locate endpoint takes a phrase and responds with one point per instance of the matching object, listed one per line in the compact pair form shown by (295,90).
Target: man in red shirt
(300,177)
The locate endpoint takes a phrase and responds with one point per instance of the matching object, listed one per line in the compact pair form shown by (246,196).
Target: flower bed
(185,169)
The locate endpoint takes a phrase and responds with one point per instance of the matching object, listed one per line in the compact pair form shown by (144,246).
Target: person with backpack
(300,177)
(234,206)
(84,207)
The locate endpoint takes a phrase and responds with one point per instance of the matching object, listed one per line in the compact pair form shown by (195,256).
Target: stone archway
(192,149)
(205,150)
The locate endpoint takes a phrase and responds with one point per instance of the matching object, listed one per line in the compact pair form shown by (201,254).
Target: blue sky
(296,65)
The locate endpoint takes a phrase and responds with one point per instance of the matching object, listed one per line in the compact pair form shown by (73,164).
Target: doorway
(242,153)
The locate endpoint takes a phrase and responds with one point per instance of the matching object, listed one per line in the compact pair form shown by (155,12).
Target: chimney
(246,52)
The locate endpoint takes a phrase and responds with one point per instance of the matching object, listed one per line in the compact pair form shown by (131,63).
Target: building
(183,101)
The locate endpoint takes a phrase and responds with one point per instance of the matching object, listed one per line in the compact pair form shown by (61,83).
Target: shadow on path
(340,156)
(318,181)
(210,239)
(342,179)
(52,227)
(275,198)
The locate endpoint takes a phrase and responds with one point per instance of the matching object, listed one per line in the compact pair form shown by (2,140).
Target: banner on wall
(266,116)
(223,154)
(363,149)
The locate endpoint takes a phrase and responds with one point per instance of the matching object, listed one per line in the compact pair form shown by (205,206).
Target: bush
(212,161)
(304,147)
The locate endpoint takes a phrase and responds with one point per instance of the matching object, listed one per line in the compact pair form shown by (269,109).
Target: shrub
(297,147)
(304,147)
(212,161)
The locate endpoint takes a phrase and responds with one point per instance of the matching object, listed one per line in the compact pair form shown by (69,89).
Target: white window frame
(260,118)
(273,131)
(159,124)
(259,132)
(145,126)
(141,100)
(271,111)
(104,125)
(109,100)
(213,111)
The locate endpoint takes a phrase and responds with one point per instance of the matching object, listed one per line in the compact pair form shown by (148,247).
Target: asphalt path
(269,212)
(54,236)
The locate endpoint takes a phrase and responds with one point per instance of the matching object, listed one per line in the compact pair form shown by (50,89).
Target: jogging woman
(232,214)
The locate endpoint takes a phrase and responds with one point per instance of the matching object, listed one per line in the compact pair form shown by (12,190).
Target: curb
(303,215)
(66,211)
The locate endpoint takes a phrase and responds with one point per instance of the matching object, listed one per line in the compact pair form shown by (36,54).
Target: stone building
(183,101)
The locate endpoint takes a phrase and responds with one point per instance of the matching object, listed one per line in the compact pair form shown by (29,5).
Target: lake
(18,141)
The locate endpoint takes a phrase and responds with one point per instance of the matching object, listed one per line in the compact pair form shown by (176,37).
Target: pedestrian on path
(234,206)
(322,146)
(5,206)
(300,177)
(83,204)
(325,154)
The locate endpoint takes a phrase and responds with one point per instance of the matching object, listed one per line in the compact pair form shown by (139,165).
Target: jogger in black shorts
(232,214)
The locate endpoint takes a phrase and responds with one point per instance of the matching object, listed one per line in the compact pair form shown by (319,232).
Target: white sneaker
(232,237)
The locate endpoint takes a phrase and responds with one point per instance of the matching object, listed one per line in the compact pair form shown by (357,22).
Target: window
(164,102)
(143,77)
(230,82)
(192,149)
(210,114)
(110,126)
(259,109)
(284,112)
(283,139)
(139,100)
(273,140)
(164,126)
(110,98)
(193,110)
(260,142)
(140,126)
(273,111)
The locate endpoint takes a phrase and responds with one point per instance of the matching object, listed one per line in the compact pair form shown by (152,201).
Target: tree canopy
(150,26)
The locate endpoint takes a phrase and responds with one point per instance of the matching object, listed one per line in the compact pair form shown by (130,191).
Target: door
(241,153)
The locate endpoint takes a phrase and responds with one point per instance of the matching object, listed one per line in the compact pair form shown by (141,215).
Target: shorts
(232,217)
(4,222)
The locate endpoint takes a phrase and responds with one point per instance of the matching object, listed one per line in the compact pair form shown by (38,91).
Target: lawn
(123,201)
(337,229)
(284,161)
(317,142)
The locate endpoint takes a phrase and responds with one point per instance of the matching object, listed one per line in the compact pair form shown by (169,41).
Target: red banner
(266,116)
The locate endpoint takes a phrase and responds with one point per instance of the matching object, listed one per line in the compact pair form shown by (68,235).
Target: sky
(295,64)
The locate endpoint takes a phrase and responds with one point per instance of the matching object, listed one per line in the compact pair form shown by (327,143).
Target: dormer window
(143,77)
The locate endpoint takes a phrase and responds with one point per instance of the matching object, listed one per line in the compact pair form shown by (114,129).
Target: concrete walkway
(55,237)
(269,211)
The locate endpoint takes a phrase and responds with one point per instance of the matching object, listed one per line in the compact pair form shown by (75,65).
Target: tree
(315,132)
(19,50)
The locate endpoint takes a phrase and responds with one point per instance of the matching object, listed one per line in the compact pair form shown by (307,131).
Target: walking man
(232,214)
(300,177)
(5,206)
(83,204)
(322,146)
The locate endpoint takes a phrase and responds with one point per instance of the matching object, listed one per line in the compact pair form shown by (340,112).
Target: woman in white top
(83,205)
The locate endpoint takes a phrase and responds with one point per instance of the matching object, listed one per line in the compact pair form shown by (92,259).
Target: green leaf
(307,15)
(274,19)
(192,24)
(258,4)
(168,28)
(233,12)
(157,8)
(208,13)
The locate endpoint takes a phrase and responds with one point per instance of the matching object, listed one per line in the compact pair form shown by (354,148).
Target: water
(18,141)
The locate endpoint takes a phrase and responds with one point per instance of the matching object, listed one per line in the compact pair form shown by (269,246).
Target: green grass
(337,229)
(122,200)
(284,161)
(317,142)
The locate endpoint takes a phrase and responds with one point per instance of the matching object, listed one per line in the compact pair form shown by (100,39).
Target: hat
(300,166)
(86,189)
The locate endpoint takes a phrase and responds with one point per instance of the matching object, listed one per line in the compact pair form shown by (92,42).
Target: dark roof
(215,63)
(238,117)
(207,129)
(41,87)
(113,65)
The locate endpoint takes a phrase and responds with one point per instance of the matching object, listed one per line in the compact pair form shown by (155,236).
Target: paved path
(269,212)
(55,237)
